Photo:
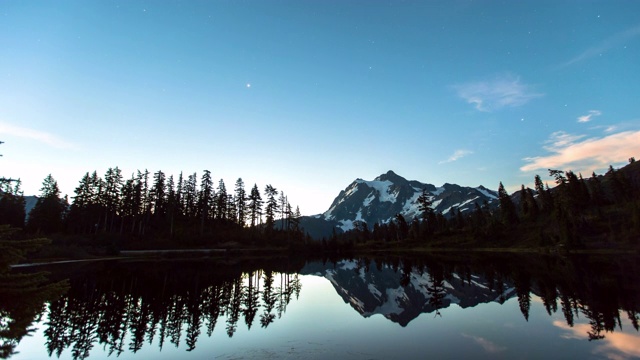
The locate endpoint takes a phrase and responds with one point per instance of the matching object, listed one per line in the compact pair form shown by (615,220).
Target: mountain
(30,202)
(380,199)
(402,297)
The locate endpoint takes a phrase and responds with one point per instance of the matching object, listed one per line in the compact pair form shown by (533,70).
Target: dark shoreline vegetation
(153,212)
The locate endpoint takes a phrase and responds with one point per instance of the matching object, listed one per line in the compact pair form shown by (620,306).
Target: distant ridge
(380,199)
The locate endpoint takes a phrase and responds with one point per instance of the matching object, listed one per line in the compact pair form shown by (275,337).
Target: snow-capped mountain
(382,290)
(380,199)
(29,203)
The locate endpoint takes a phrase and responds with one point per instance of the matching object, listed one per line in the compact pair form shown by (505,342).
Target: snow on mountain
(372,290)
(29,203)
(379,200)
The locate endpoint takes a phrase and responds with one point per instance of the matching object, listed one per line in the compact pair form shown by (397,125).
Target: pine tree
(205,199)
(596,191)
(111,196)
(544,195)
(159,194)
(282,205)
(48,213)
(424,204)
(172,203)
(272,206)
(12,204)
(255,205)
(241,202)
(221,201)
(507,208)
(190,196)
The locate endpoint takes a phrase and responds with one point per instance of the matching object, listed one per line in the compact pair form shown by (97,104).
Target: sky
(309,95)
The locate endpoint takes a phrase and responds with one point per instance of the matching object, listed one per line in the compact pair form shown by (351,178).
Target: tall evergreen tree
(282,205)
(272,206)
(172,203)
(544,195)
(222,201)
(111,196)
(190,196)
(158,194)
(205,200)
(596,191)
(255,205)
(507,207)
(48,213)
(12,204)
(241,202)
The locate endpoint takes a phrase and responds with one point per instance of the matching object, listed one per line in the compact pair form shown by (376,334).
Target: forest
(600,212)
(153,211)
(156,211)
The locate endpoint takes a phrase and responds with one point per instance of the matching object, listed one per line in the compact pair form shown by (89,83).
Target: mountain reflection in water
(119,307)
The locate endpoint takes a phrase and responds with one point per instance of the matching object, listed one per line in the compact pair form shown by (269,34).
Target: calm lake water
(441,306)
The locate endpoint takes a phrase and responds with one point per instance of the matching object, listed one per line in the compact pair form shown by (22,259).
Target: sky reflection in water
(320,325)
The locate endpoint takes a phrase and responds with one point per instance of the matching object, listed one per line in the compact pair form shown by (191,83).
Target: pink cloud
(615,345)
(570,152)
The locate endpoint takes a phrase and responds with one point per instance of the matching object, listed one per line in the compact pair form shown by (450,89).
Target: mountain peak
(390,176)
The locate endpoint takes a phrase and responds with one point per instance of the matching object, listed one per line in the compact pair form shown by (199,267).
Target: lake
(443,305)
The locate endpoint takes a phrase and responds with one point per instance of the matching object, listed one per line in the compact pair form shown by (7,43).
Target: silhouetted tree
(47,215)
(241,202)
(507,207)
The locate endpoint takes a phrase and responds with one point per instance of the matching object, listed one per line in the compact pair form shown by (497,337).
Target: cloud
(573,152)
(487,345)
(495,94)
(587,118)
(605,45)
(458,154)
(615,345)
(43,137)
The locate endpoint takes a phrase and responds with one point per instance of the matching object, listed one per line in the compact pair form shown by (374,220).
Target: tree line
(602,211)
(187,210)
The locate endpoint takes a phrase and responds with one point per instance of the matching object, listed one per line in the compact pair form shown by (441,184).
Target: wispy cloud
(487,345)
(43,137)
(591,114)
(497,93)
(605,45)
(458,154)
(615,345)
(585,155)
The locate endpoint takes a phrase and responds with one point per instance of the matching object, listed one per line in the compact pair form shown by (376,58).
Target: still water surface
(441,306)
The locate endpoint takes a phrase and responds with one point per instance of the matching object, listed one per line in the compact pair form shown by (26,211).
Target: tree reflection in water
(122,306)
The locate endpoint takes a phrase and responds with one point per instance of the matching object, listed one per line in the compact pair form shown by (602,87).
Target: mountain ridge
(381,199)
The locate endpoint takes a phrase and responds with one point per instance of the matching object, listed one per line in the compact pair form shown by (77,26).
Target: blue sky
(309,95)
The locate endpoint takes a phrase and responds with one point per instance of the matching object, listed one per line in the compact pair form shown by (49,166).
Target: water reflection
(595,287)
(125,306)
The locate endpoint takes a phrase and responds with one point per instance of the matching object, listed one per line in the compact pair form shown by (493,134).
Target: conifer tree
(190,196)
(205,199)
(111,196)
(12,204)
(221,201)
(507,208)
(544,195)
(48,213)
(241,202)
(159,194)
(272,206)
(255,205)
